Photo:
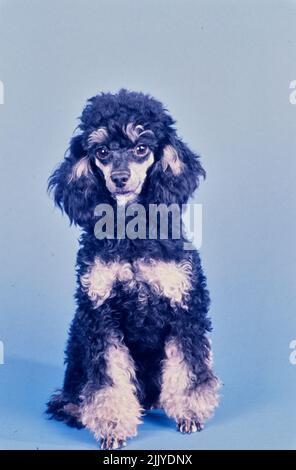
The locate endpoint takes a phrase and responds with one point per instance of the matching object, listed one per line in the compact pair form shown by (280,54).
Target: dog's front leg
(189,399)
(112,411)
(110,407)
(189,389)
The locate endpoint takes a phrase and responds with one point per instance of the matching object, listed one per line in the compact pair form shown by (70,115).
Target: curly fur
(178,398)
(139,335)
(114,409)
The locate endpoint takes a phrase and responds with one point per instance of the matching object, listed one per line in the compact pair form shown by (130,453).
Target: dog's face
(127,149)
(123,157)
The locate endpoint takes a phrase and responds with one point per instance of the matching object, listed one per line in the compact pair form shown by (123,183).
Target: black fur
(144,327)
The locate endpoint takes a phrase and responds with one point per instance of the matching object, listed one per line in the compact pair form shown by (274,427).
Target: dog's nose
(120,178)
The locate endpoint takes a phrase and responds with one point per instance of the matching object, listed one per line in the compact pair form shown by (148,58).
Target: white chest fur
(169,279)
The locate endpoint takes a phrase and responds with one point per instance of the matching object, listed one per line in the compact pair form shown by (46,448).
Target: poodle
(139,338)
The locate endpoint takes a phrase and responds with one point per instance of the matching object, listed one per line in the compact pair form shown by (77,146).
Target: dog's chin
(125,197)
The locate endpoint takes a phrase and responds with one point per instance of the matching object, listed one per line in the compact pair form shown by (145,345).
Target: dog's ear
(176,175)
(75,188)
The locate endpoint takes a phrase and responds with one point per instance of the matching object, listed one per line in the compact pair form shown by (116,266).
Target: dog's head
(127,149)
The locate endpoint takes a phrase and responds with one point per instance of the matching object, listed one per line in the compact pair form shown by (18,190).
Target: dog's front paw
(111,442)
(187,426)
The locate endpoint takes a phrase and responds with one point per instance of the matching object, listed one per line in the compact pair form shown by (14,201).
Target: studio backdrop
(226,71)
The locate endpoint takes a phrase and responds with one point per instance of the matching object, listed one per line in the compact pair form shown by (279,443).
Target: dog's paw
(111,443)
(61,409)
(187,426)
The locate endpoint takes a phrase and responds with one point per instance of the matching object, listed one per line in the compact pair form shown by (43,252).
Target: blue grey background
(223,69)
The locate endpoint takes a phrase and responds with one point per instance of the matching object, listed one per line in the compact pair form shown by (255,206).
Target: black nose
(120,178)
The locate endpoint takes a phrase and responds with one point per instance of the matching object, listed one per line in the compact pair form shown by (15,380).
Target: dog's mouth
(122,191)
(127,192)
(125,196)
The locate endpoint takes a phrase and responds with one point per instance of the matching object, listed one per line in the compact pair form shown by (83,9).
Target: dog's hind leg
(61,408)
(64,404)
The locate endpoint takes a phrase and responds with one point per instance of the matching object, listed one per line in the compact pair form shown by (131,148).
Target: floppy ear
(75,188)
(176,175)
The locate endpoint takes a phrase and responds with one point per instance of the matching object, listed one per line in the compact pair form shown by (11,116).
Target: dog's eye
(141,150)
(102,152)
